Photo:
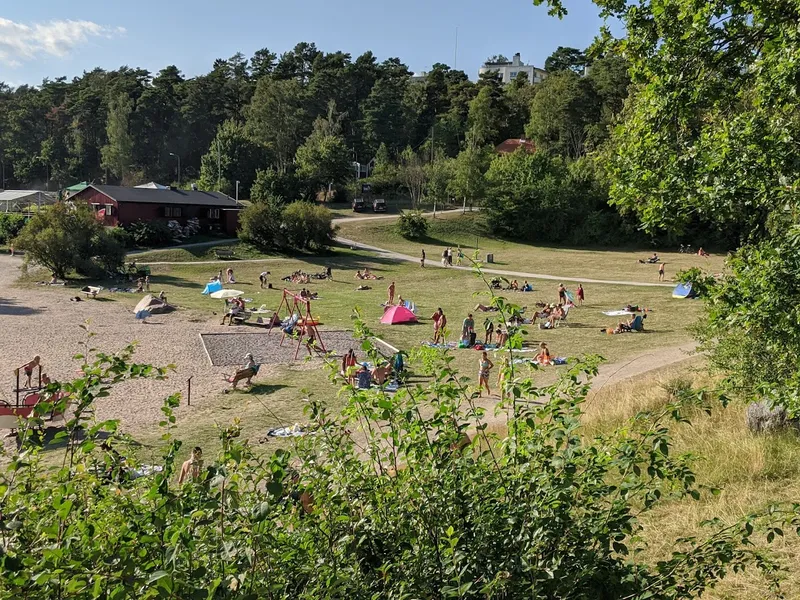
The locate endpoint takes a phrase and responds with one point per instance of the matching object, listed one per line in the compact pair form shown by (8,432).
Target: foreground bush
(404,496)
(10,225)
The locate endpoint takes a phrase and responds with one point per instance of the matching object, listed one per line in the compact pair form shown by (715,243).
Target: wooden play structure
(298,313)
(27,395)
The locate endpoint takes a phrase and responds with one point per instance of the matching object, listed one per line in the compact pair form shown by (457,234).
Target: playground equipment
(299,313)
(27,396)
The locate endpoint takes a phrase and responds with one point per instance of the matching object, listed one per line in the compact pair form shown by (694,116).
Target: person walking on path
(444,257)
(422,260)
(390,293)
(661,273)
(579,294)
(484,366)
(449,256)
(459,256)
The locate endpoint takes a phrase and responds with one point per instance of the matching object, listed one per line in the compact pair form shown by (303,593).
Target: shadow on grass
(259,389)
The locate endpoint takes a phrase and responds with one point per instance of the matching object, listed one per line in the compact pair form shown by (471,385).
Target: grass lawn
(279,397)
(199,253)
(457,292)
(469,231)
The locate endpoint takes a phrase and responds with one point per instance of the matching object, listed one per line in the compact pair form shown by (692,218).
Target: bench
(223,253)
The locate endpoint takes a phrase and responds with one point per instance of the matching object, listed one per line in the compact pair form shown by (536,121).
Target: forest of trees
(292,124)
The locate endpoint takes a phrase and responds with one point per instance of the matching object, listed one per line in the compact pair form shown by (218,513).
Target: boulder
(763,418)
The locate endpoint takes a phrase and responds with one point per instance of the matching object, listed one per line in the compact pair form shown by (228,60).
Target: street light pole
(237,191)
(179,166)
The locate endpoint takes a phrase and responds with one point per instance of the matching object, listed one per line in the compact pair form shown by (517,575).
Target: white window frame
(109,209)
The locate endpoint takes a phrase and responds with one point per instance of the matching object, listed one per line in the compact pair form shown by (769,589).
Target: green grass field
(469,232)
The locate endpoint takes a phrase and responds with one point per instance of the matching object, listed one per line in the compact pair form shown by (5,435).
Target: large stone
(762,418)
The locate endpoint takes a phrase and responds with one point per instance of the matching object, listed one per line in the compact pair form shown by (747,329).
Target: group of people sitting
(550,315)
(298,277)
(514,286)
(308,294)
(363,376)
(366,274)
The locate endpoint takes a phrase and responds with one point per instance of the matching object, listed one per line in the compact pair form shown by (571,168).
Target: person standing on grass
(468,330)
(192,468)
(579,294)
(661,273)
(562,294)
(439,322)
(484,366)
(147,283)
(263,279)
(390,293)
(422,260)
(488,328)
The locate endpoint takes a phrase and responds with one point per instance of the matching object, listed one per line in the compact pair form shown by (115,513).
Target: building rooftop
(166,196)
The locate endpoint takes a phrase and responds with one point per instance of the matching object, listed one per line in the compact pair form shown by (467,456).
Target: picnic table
(224,252)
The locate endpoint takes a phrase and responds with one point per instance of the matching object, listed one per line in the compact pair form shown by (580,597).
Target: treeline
(294,125)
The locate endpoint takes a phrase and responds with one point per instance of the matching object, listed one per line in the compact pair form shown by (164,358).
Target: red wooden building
(118,205)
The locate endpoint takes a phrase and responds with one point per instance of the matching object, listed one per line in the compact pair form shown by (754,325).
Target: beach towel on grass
(617,313)
(295,430)
(447,346)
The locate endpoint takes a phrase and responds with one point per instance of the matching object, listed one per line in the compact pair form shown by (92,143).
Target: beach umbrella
(225,294)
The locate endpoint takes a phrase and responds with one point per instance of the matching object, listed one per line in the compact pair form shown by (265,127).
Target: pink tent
(398,314)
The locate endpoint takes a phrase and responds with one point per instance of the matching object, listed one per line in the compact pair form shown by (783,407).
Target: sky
(52,38)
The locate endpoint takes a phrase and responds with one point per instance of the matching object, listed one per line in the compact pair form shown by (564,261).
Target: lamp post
(179,166)
(237,191)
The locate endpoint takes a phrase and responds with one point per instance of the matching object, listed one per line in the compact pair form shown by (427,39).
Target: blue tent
(212,287)
(684,290)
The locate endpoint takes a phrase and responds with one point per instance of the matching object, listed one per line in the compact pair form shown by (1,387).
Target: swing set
(295,306)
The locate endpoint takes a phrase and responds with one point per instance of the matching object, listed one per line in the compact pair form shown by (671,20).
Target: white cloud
(20,43)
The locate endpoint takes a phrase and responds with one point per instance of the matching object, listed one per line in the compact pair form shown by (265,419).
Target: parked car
(379,205)
(358,204)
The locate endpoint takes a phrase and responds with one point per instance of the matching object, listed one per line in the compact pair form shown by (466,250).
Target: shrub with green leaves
(412,224)
(150,234)
(63,238)
(10,225)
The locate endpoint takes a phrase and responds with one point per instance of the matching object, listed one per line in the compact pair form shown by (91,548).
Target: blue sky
(49,38)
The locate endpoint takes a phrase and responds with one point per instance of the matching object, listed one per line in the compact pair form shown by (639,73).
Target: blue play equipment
(212,287)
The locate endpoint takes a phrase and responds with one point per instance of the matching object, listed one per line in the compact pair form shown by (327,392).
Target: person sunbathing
(381,374)
(543,314)
(358,275)
(702,252)
(543,358)
(514,286)
(635,323)
(484,308)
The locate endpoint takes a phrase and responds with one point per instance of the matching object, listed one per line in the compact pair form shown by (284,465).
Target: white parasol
(225,294)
